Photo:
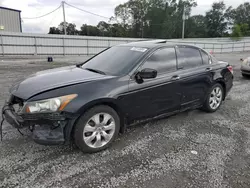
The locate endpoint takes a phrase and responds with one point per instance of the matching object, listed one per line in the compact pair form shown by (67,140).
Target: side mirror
(148,73)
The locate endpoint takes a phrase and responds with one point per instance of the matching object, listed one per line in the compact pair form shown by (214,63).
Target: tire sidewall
(81,123)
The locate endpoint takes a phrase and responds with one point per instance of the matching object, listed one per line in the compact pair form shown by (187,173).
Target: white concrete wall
(24,44)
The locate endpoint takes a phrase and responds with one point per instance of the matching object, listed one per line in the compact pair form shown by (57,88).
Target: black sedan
(92,102)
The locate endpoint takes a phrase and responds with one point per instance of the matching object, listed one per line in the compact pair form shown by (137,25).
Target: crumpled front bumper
(48,128)
(11,117)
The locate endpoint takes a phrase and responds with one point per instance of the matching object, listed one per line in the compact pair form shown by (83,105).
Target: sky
(34,8)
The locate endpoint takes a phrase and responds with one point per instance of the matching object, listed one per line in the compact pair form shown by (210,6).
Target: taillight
(230,68)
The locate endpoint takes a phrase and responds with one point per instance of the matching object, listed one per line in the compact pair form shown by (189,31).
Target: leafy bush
(236,34)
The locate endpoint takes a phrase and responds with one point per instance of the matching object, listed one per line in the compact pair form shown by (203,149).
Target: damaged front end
(48,128)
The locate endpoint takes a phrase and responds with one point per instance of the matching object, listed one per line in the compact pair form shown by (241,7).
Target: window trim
(209,58)
(191,47)
(153,52)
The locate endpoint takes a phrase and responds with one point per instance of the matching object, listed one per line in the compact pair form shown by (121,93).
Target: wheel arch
(222,83)
(112,103)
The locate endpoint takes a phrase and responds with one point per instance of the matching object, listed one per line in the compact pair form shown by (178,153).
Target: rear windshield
(118,60)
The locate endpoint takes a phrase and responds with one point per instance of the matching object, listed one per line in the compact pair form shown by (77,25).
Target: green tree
(138,10)
(215,20)
(163,19)
(104,28)
(54,30)
(196,27)
(229,15)
(153,18)
(241,14)
(245,29)
(70,28)
(179,14)
(89,30)
(122,12)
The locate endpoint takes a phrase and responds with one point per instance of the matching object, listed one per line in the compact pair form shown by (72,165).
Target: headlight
(48,105)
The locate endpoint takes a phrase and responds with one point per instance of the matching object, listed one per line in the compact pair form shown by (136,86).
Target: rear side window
(189,58)
(214,60)
(163,60)
(205,58)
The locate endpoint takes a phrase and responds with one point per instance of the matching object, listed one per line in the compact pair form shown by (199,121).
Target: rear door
(158,95)
(195,77)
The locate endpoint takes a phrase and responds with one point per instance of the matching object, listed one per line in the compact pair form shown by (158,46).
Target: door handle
(209,69)
(176,77)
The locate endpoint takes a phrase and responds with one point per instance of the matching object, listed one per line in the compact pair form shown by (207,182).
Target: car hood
(52,79)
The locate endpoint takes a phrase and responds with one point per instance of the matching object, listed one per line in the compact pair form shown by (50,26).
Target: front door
(159,95)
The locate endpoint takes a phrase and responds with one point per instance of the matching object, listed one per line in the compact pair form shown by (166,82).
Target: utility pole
(183,22)
(142,30)
(64,20)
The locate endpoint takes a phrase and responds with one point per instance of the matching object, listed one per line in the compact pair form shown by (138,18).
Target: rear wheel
(214,98)
(96,129)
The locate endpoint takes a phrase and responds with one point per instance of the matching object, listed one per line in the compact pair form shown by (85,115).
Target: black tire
(245,75)
(206,106)
(82,122)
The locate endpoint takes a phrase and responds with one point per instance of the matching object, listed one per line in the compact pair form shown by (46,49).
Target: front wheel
(214,98)
(96,129)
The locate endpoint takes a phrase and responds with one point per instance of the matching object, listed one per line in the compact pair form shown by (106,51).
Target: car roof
(154,44)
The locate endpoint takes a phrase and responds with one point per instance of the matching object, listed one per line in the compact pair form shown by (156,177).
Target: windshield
(118,60)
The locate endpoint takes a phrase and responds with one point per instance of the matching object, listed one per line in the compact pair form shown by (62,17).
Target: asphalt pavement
(190,149)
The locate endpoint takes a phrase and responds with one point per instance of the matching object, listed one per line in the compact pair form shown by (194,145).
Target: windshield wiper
(96,71)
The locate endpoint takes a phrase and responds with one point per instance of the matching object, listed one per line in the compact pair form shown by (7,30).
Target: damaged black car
(92,102)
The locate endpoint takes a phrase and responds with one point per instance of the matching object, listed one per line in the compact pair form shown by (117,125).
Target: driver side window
(162,60)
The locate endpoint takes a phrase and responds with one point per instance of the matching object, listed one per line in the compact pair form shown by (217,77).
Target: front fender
(113,103)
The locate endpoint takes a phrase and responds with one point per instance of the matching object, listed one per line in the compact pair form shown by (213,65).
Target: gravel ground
(191,149)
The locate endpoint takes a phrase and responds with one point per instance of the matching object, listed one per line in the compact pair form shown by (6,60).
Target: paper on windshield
(139,49)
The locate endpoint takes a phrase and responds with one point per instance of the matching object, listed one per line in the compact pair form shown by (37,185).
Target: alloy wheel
(215,98)
(99,130)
